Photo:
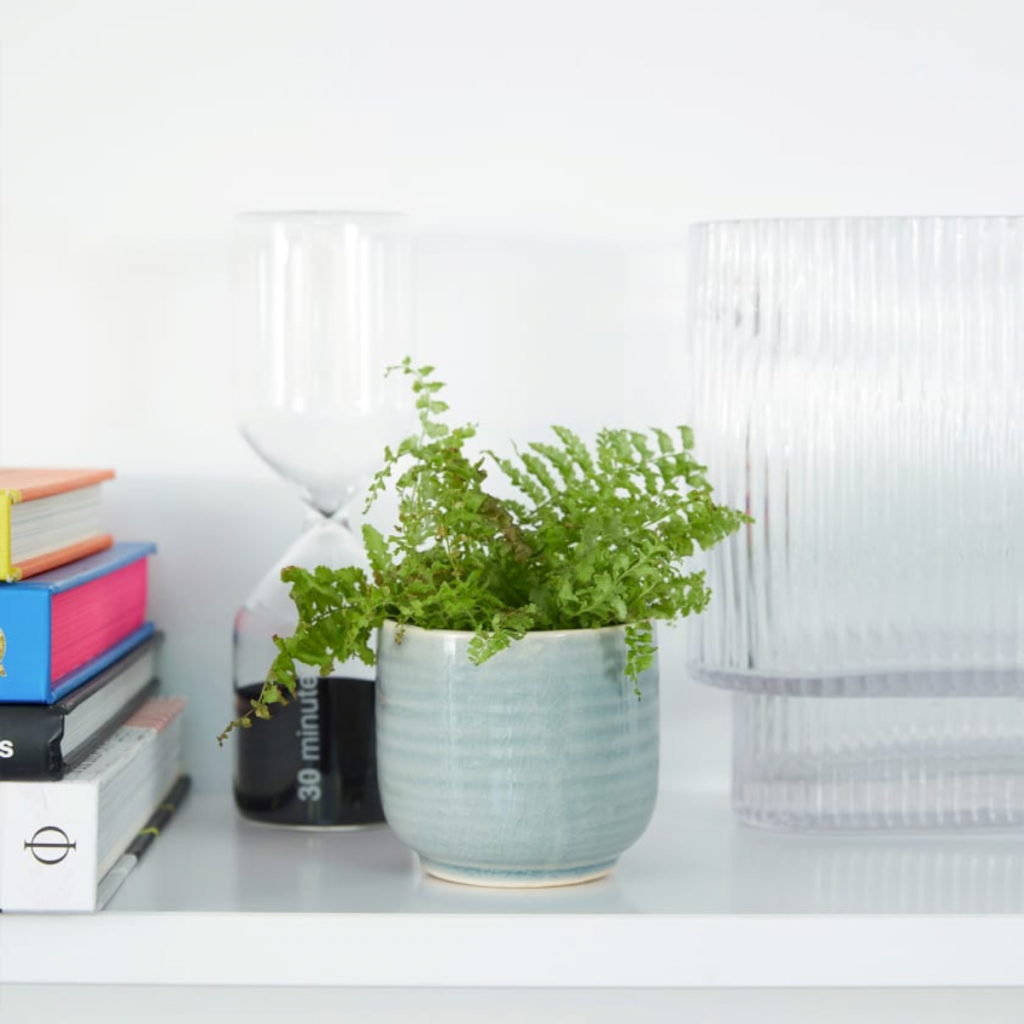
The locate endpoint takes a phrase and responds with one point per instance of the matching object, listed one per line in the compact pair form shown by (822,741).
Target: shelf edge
(449,950)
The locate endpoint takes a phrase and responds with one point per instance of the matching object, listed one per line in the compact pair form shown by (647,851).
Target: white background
(552,152)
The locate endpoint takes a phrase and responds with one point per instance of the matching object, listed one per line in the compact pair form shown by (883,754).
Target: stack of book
(88,752)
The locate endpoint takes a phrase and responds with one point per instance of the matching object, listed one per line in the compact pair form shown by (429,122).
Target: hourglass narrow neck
(317,516)
(325,504)
(327,541)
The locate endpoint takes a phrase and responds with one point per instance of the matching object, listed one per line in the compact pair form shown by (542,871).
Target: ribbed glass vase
(855,384)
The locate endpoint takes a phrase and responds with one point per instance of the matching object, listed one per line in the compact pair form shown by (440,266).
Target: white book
(59,839)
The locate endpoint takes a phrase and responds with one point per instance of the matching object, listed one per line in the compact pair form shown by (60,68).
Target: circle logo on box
(50,845)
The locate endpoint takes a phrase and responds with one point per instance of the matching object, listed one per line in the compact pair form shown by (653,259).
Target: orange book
(49,517)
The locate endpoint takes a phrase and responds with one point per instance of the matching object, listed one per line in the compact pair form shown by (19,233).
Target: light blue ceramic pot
(539,767)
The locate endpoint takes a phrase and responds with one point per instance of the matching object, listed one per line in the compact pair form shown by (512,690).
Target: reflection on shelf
(877,875)
(695,859)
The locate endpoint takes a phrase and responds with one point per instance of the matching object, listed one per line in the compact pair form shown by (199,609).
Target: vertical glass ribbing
(819,763)
(855,385)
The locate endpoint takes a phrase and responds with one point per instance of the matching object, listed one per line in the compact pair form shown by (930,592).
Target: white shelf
(699,901)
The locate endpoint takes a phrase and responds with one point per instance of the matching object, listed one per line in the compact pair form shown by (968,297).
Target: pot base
(498,878)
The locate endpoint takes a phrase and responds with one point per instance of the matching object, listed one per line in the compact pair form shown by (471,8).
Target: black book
(42,741)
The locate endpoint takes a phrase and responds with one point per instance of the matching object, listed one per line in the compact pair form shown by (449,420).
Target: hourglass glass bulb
(320,314)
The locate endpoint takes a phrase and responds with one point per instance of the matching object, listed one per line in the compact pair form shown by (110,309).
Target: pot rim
(469,633)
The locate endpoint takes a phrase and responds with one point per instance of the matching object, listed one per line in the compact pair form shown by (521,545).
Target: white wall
(552,153)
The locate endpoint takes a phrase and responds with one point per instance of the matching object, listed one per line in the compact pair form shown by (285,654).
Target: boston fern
(594,538)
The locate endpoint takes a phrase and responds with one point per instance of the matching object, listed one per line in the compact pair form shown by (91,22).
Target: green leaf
(376,547)
(665,443)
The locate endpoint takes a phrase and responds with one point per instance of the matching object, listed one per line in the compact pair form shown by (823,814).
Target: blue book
(61,628)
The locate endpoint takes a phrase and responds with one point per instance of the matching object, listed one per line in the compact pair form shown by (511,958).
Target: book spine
(24,645)
(8,573)
(33,743)
(30,742)
(49,845)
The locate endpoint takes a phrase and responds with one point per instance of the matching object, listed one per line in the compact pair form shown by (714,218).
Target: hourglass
(320,303)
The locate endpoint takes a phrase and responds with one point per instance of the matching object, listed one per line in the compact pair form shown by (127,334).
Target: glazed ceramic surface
(538,767)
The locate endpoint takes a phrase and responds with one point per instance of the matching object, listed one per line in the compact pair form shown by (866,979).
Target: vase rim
(921,218)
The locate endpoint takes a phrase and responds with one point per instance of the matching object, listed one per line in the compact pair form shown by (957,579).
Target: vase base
(502,878)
